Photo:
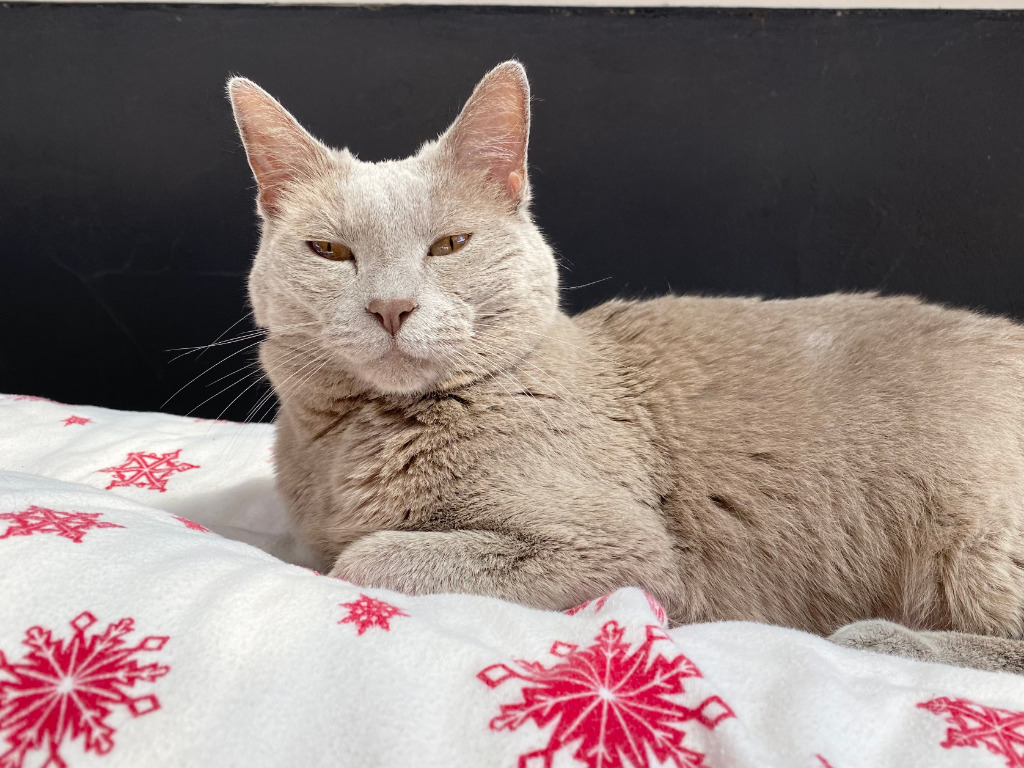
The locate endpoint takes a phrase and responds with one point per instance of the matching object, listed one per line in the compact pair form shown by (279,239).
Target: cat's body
(444,427)
(785,463)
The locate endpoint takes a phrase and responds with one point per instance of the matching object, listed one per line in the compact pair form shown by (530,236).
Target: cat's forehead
(387,198)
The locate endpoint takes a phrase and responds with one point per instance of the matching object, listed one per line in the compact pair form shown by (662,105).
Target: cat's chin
(396,373)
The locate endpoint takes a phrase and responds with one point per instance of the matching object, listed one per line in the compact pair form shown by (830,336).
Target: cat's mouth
(395,350)
(401,369)
(399,351)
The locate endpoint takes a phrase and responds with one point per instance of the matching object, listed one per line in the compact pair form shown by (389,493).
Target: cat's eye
(330,251)
(449,244)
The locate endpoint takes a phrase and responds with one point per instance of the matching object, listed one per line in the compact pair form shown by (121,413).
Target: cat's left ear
(490,135)
(281,152)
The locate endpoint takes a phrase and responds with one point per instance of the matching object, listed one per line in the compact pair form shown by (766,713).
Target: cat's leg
(540,572)
(983,583)
(957,648)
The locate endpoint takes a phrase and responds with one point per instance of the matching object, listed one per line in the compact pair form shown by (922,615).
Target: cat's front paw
(381,560)
(344,572)
(429,562)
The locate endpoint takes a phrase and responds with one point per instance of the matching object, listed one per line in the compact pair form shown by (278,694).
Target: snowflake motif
(34,399)
(824,763)
(369,612)
(66,689)
(70,525)
(598,603)
(612,702)
(147,470)
(191,524)
(1000,731)
(657,610)
(72,420)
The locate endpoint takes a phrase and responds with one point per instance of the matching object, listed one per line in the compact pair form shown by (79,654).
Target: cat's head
(408,275)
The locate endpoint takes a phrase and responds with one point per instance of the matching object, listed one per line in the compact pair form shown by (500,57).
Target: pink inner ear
(491,133)
(280,151)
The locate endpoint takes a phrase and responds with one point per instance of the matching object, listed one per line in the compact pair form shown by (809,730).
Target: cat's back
(827,346)
(841,365)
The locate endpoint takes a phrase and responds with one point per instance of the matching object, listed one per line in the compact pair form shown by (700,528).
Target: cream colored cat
(444,427)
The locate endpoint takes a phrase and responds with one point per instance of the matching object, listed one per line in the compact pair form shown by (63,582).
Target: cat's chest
(391,469)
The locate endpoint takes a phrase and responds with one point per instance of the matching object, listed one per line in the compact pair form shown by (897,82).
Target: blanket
(155,610)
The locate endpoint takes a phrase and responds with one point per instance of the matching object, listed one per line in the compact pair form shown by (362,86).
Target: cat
(445,427)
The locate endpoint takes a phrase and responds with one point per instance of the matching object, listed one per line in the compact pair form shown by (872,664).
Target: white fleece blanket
(132,636)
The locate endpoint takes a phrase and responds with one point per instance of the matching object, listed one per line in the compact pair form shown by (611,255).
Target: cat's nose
(391,312)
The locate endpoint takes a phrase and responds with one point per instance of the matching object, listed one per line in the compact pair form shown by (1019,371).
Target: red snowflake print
(191,524)
(35,399)
(1000,731)
(598,603)
(369,612)
(147,470)
(657,610)
(613,704)
(72,420)
(67,689)
(70,525)
(824,763)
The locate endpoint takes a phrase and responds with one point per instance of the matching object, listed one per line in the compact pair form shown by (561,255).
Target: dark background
(775,152)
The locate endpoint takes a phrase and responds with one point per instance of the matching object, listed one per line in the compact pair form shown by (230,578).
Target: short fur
(993,654)
(807,462)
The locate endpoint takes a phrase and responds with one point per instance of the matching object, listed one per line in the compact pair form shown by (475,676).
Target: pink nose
(391,312)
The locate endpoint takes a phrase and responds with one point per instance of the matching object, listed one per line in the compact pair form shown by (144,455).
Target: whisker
(221,391)
(281,388)
(230,373)
(219,362)
(525,390)
(572,399)
(508,392)
(222,333)
(259,377)
(586,285)
(202,348)
(291,356)
(587,350)
(282,331)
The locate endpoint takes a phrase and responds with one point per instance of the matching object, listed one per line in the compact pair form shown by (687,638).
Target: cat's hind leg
(983,584)
(995,654)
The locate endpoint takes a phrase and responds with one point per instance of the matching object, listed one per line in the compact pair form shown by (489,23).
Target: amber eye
(449,244)
(330,251)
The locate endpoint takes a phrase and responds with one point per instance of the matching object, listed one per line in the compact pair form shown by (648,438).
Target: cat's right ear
(280,151)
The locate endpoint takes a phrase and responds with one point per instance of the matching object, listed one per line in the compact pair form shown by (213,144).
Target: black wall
(782,153)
